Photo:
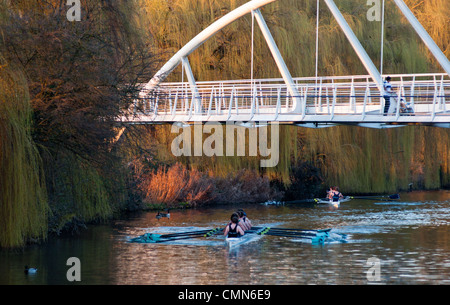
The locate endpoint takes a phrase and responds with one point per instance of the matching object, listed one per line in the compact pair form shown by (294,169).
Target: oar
(213,231)
(176,238)
(316,238)
(288,231)
(300,201)
(321,199)
(292,229)
(201,232)
(152,237)
(391,197)
(292,234)
(305,232)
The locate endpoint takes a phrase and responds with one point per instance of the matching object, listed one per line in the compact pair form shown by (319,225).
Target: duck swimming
(161,215)
(30,270)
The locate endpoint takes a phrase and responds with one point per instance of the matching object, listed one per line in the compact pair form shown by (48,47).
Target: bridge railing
(425,94)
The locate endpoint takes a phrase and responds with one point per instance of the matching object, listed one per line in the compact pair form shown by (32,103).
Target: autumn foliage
(170,186)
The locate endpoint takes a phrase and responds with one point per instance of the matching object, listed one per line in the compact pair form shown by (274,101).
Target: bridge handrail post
(216,102)
(155,112)
(335,89)
(174,109)
(253,101)
(236,99)
(442,95)
(352,95)
(366,95)
(170,102)
(397,110)
(256,99)
(220,99)
(328,97)
(231,103)
(305,99)
(412,91)
(320,94)
(210,101)
(190,107)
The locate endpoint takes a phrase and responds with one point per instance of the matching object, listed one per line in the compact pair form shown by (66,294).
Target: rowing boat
(248,237)
(330,201)
(315,236)
(235,241)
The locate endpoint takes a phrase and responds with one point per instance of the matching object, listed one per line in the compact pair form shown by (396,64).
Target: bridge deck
(420,99)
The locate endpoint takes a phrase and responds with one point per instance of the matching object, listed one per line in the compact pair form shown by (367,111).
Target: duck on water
(161,215)
(30,270)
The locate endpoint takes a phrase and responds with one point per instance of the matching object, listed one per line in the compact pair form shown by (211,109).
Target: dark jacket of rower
(233,229)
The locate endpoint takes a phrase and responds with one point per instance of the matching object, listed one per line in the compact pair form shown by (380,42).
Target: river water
(409,238)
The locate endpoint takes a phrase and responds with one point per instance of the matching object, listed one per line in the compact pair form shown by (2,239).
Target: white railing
(325,99)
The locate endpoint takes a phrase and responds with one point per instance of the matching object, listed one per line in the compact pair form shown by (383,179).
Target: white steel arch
(247,8)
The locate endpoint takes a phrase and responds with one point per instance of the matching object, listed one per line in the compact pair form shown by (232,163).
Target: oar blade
(146,238)
(157,238)
(381,197)
(212,232)
(319,239)
(299,201)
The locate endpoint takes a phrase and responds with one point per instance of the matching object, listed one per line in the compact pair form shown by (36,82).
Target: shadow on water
(410,237)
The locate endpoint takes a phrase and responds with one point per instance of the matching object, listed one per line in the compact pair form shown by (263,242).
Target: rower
(233,229)
(334,194)
(244,222)
(330,193)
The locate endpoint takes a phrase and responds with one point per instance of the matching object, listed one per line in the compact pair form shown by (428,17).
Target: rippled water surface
(410,237)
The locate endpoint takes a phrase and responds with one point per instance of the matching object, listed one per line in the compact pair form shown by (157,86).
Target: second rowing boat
(330,201)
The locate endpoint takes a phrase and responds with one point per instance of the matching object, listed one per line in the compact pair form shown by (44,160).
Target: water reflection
(411,238)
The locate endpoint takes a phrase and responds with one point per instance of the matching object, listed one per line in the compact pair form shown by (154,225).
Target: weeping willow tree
(73,79)
(293,24)
(23,197)
(373,161)
(435,17)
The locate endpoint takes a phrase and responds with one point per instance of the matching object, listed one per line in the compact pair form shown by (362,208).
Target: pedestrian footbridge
(322,102)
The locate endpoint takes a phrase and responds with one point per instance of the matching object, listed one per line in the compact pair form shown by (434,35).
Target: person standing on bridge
(387,86)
